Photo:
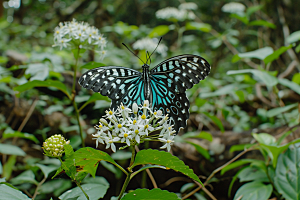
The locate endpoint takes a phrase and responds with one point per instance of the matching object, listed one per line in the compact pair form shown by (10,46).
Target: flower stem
(73,97)
(129,173)
(87,197)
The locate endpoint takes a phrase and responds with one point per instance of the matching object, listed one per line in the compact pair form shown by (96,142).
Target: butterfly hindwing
(111,81)
(171,103)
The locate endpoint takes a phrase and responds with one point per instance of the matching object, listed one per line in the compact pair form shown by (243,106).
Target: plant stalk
(129,173)
(73,98)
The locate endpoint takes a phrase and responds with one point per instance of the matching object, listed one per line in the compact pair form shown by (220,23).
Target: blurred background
(250,45)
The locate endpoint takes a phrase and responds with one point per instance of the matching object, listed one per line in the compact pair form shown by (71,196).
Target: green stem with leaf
(78,184)
(129,173)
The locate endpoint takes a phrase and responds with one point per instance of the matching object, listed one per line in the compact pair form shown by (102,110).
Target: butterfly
(164,85)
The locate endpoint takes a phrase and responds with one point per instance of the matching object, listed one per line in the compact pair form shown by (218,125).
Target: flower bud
(54,146)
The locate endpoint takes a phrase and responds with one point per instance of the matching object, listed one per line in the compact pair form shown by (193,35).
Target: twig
(261,97)
(217,170)
(29,113)
(38,187)
(286,33)
(148,171)
(289,69)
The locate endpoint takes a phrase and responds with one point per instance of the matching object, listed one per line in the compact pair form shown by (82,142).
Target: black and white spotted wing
(118,83)
(169,81)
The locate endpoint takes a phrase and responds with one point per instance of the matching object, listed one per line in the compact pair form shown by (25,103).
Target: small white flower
(110,142)
(173,14)
(234,7)
(62,43)
(169,141)
(111,116)
(124,111)
(188,6)
(120,128)
(99,137)
(148,129)
(126,138)
(135,108)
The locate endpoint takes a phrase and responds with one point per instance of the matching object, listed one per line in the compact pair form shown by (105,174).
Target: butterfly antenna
(154,49)
(133,53)
(148,58)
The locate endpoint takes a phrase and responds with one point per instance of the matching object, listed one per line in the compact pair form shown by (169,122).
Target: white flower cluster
(149,45)
(78,34)
(175,14)
(134,126)
(234,7)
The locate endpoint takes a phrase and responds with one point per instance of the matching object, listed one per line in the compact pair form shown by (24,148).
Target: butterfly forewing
(111,81)
(182,71)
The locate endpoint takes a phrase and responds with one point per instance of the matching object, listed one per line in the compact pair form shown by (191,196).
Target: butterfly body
(164,85)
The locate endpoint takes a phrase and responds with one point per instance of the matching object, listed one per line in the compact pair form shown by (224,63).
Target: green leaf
(293,86)
(25,177)
(38,71)
(150,195)
(242,18)
(10,193)
(253,9)
(297,48)
(287,175)
(78,52)
(294,37)
(9,133)
(92,65)
(276,54)
(159,31)
(156,157)
(277,111)
(203,135)
(9,166)
(88,158)
(46,169)
(200,149)
(215,120)
(200,102)
(296,78)
(57,186)
(240,95)
(253,191)
(264,77)
(198,26)
(275,151)
(262,23)
(93,98)
(237,164)
(121,155)
(9,149)
(48,83)
(259,53)
(93,190)
(252,173)
(235,58)
(264,138)
(239,147)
